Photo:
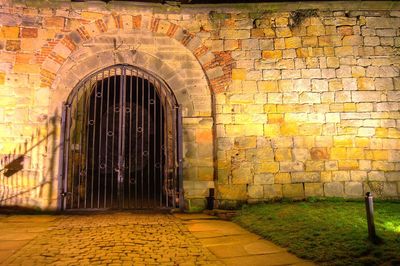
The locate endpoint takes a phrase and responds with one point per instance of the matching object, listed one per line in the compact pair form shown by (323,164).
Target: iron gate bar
(60,202)
(67,139)
(81,145)
(180,159)
(148,143)
(100,135)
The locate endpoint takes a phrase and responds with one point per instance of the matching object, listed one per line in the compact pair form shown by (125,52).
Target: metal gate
(120,143)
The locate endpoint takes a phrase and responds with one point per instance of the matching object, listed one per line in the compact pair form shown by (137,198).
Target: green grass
(328,232)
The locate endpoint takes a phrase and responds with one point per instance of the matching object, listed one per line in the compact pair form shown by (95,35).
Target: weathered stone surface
(353,189)
(293,190)
(334,189)
(313,190)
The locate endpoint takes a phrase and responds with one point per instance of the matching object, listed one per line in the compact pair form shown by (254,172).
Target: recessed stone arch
(189,69)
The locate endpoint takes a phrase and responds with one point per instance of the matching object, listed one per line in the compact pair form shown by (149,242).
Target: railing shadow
(26,173)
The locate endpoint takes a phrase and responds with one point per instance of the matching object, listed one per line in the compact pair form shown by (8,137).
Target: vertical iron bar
(113,139)
(154,145)
(130,139)
(174,157)
(141,141)
(100,140)
(93,90)
(67,147)
(161,137)
(121,159)
(61,171)
(136,137)
(106,142)
(179,141)
(166,151)
(74,103)
(87,141)
(81,142)
(148,143)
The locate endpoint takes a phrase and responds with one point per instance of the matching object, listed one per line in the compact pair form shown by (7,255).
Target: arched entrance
(120,142)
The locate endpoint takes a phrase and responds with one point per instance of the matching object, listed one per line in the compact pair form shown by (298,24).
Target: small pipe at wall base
(210,199)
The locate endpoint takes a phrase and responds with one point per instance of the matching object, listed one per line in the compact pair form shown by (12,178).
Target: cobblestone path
(115,239)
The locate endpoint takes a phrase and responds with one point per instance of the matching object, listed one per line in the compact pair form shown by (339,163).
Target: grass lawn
(328,232)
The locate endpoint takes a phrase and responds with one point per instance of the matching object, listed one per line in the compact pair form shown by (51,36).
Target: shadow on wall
(27,174)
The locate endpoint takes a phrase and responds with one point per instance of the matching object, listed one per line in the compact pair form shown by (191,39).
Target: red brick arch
(217,66)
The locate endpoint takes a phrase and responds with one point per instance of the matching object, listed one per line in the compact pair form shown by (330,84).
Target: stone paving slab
(18,230)
(234,245)
(134,238)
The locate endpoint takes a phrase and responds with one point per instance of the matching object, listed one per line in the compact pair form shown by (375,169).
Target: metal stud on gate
(124,122)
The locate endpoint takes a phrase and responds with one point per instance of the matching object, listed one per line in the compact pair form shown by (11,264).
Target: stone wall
(280,99)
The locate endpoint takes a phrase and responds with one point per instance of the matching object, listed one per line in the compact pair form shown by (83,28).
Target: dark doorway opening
(120,143)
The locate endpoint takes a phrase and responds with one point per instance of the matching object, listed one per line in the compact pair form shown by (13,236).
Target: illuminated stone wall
(280,100)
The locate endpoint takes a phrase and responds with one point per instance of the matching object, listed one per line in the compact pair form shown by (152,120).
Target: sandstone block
(313,189)
(271,74)
(273,191)
(315,30)
(291,166)
(232,192)
(358,175)
(381,22)
(271,130)
(345,30)
(242,175)
(293,190)
(53,22)
(13,45)
(264,179)
(234,34)
(366,96)
(282,142)
(29,32)
(256,191)
(245,142)
(334,189)
(348,164)
(283,154)
(390,189)
(9,32)
(283,32)
(267,167)
(376,176)
(267,86)
(338,176)
(230,45)
(353,189)
(392,176)
(273,54)
(311,73)
(293,42)
(283,178)
(305,177)
(289,129)
(266,44)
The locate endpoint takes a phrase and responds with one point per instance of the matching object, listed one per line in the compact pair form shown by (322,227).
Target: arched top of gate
(188,95)
(162,88)
(217,67)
